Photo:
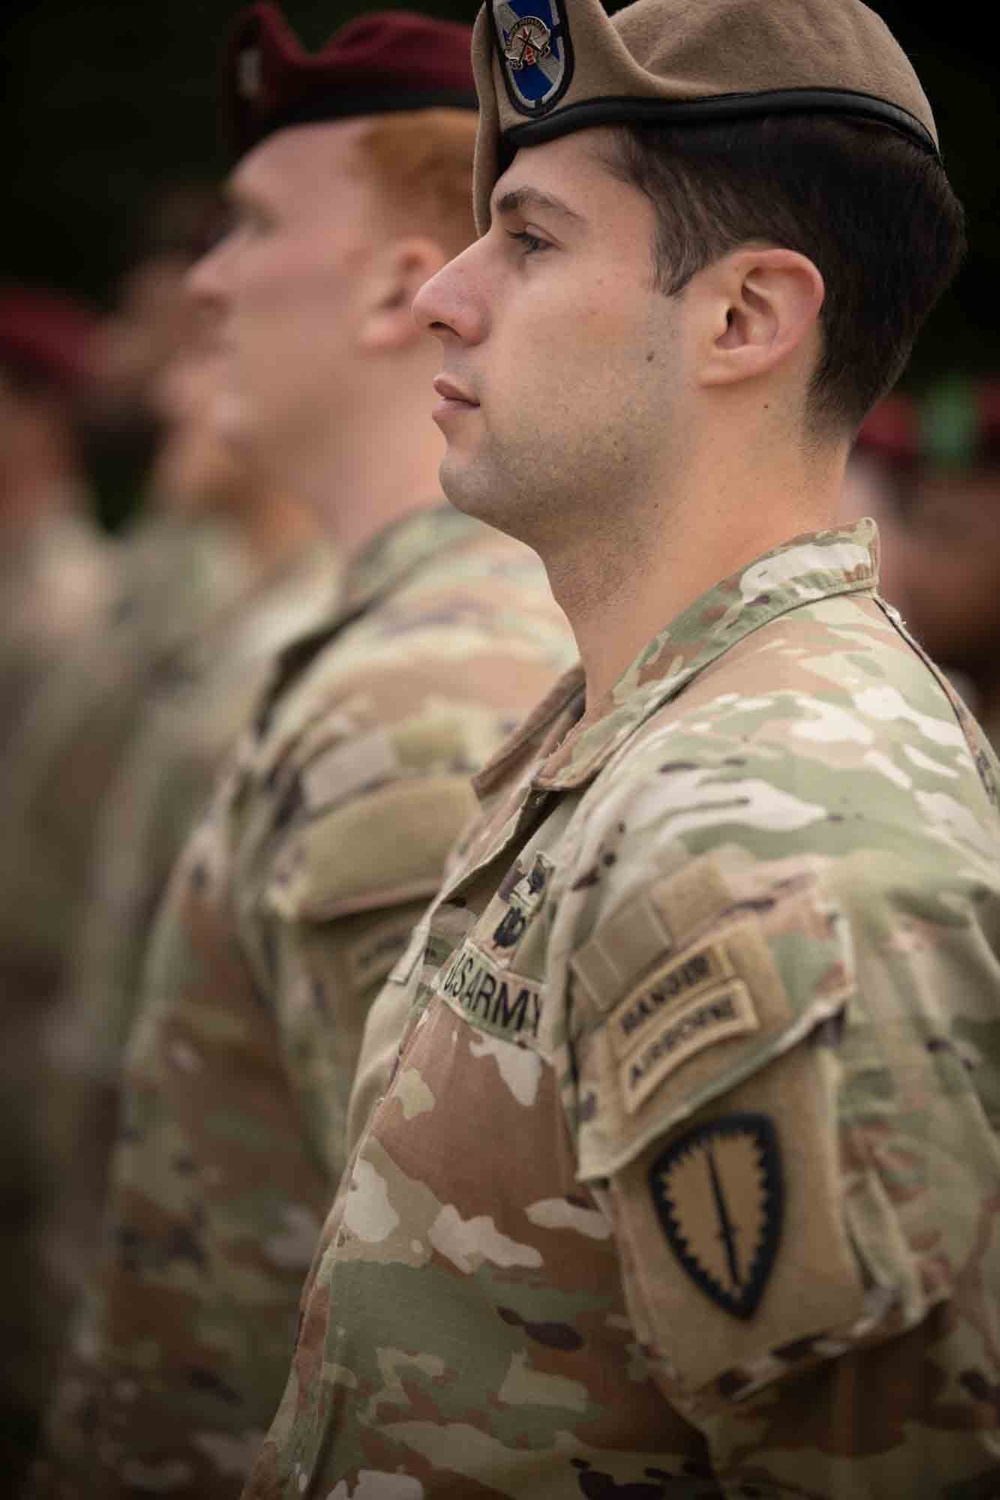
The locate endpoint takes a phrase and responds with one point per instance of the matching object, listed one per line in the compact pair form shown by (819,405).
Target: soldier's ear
(398,272)
(760,313)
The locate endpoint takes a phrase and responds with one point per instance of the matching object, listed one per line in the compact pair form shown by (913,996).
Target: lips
(450,390)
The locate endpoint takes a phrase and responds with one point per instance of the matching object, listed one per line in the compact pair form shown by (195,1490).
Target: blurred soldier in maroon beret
(299,889)
(56,573)
(54,568)
(936,462)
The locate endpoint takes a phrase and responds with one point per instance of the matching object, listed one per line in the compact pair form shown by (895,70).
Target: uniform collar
(383,563)
(378,570)
(817,565)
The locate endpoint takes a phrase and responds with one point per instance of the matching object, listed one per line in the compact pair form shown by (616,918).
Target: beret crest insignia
(533,48)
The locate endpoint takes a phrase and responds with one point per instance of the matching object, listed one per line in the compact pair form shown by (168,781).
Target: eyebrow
(519,199)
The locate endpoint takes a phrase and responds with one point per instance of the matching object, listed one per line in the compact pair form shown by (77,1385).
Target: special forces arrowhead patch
(719,1194)
(533,47)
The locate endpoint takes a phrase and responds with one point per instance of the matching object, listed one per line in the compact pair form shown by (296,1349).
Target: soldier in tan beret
(685,1181)
(299,888)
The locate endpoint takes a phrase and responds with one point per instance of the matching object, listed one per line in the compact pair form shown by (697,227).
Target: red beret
(46,332)
(390,60)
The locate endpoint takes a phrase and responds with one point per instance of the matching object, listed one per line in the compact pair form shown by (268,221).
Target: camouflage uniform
(191,717)
(294,898)
(56,577)
(177,578)
(180,600)
(54,580)
(686,1181)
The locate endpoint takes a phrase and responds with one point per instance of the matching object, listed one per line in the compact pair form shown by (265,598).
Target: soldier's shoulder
(824,734)
(486,588)
(475,625)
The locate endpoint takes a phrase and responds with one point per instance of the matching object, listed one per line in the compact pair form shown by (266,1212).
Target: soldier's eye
(530,243)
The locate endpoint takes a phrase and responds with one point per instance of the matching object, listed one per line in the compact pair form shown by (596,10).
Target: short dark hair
(872,211)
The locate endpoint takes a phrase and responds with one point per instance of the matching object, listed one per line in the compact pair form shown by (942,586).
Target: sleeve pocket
(710,1116)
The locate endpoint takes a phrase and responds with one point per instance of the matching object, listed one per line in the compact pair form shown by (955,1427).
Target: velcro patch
(718,1191)
(503,1003)
(632,1020)
(685,1030)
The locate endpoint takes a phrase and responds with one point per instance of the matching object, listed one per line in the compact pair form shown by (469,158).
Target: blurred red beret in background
(954,424)
(390,60)
(47,333)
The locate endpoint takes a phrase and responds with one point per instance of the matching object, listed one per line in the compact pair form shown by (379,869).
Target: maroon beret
(47,333)
(390,60)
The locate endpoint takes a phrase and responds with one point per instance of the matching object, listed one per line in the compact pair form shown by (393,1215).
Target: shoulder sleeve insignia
(719,1194)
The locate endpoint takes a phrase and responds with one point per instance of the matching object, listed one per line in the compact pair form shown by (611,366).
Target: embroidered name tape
(685,1030)
(632,1020)
(499,1001)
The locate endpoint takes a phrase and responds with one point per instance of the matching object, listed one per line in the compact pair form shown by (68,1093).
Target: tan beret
(547,67)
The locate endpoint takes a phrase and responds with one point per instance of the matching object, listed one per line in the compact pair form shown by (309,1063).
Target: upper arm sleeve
(804,1194)
(346,889)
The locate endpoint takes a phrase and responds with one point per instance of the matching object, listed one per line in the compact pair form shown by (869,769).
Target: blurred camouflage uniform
(55,578)
(686,1182)
(293,900)
(191,717)
(177,577)
(188,608)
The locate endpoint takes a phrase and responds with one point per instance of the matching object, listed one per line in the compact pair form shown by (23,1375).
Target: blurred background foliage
(106,101)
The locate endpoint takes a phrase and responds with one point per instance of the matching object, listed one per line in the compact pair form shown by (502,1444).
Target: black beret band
(720,108)
(320,108)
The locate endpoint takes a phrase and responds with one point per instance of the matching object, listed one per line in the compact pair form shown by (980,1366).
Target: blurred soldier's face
(287,286)
(195,470)
(562,362)
(946,568)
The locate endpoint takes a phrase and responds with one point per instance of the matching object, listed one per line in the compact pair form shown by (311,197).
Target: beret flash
(390,60)
(545,68)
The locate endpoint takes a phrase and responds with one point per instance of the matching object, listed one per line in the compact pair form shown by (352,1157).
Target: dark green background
(104,99)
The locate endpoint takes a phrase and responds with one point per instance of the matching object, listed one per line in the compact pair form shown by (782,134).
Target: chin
(466,485)
(231,421)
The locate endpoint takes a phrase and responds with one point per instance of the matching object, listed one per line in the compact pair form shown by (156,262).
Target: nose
(451,305)
(205,283)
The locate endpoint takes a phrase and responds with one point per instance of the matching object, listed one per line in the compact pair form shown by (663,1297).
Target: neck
(622,580)
(385,466)
(274,529)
